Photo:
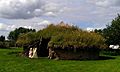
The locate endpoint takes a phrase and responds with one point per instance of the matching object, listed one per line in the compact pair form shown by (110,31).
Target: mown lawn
(10,62)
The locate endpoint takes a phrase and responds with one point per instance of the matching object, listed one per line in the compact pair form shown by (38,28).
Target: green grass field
(10,62)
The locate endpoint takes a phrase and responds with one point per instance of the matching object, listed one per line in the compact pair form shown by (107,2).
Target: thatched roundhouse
(63,42)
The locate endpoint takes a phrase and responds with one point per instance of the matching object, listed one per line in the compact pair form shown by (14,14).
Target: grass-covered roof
(63,35)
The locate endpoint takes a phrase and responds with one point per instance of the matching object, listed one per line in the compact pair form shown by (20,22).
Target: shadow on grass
(10,48)
(105,58)
(5,48)
(100,58)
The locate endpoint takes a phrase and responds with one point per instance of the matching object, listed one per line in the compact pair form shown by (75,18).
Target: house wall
(71,55)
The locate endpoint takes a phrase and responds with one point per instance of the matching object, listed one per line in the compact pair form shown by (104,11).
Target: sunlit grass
(11,62)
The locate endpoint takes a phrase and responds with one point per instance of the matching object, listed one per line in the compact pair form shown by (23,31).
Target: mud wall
(72,55)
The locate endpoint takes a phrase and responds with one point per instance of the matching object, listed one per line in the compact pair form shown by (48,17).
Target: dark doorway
(42,50)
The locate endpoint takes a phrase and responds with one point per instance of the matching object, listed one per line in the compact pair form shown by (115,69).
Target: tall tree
(2,38)
(112,32)
(13,35)
(100,31)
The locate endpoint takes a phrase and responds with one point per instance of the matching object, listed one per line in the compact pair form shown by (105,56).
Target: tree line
(12,37)
(112,32)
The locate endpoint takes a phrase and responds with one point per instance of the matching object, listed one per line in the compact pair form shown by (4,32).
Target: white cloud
(106,3)
(50,6)
(43,24)
(37,14)
(34,23)
(3,26)
(19,8)
(29,27)
(50,14)
(103,3)
(10,27)
(5,29)
(92,29)
(25,9)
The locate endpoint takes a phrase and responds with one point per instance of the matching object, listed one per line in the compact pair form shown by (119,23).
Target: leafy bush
(4,44)
(26,38)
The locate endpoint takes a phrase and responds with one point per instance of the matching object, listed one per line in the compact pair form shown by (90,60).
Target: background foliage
(112,32)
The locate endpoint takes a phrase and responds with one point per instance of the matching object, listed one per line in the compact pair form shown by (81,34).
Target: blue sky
(87,14)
